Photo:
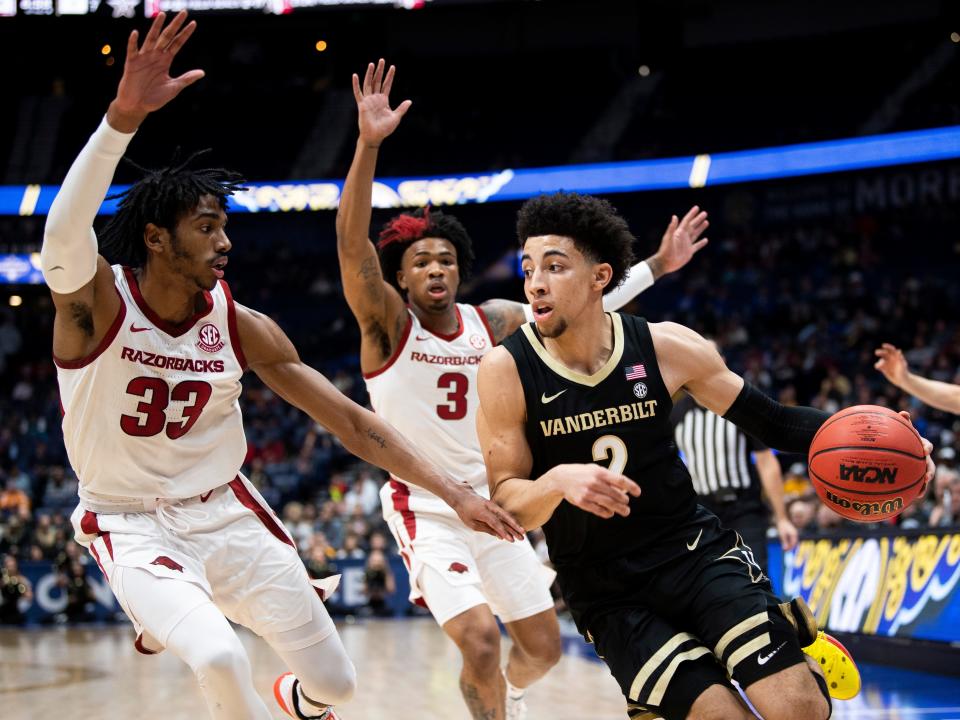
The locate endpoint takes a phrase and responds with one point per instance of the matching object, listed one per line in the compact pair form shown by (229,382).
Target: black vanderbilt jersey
(618,417)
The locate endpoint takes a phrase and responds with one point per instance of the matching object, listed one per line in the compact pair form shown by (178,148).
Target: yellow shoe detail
(839,669)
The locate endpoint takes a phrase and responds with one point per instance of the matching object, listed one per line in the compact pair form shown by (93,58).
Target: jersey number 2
(153,416)
(456,407)
(612,448)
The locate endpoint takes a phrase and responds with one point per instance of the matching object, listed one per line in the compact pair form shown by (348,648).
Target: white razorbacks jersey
(428,391)
(153,411)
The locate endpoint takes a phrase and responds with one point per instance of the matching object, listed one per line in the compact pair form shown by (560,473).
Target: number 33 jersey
(619,417)
(152,412)
(428,391)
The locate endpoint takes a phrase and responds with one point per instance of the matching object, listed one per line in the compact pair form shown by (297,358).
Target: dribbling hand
(377,120)
(146,84)
(485,516)
(597,490)
(928,451)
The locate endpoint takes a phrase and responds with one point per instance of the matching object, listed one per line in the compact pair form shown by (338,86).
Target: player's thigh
(732,608)
(660,669)
(270,591)
(515,582)
(155,605)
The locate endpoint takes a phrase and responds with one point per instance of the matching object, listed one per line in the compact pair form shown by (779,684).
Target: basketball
(867,463)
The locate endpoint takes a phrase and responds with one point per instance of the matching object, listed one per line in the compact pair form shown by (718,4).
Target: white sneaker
(516,708)
(285,692)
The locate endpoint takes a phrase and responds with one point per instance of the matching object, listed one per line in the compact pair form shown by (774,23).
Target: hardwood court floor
(408,670)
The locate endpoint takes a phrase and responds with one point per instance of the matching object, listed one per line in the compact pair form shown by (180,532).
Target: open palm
(377,120)
(146,84)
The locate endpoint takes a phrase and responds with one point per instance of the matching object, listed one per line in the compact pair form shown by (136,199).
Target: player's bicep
(500,419)
(504,317)
(372,300)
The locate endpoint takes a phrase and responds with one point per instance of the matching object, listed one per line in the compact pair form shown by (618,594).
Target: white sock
(513,692)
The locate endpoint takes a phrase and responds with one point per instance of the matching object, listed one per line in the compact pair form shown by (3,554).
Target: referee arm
(501,421)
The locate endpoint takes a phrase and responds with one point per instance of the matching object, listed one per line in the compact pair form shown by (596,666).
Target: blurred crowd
(804,336)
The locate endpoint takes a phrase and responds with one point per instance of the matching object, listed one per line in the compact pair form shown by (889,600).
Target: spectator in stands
(61,491)
(351,549)
(364,493)
(79,594)
(14,500)
(378,583)
(15,590)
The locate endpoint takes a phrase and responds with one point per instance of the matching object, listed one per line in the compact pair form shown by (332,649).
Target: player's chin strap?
(790,429)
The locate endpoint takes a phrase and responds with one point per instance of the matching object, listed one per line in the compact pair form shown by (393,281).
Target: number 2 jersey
(618,417)
(153,411)
(428,391)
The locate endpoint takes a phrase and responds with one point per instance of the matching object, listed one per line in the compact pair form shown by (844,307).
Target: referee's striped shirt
(716,451)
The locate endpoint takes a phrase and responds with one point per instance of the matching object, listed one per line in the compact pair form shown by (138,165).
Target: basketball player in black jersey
(673,601)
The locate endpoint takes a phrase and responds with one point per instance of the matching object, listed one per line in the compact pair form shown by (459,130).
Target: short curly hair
(407,228)
(594,225)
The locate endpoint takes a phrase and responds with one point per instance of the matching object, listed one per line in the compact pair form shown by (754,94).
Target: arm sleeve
(639,279)
(68,257)
(790,429)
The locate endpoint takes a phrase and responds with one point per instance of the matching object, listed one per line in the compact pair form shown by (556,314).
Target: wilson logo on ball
(867,509)
(868,474)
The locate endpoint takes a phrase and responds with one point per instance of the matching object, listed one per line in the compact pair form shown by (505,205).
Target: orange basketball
(867,463)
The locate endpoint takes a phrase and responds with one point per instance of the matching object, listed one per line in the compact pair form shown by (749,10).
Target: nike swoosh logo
(761,660)
(134,328)
(693,545)
(544,399)
(206,496)
(57,267)
(423,338)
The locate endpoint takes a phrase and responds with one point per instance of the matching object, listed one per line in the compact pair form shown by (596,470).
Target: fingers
(691,213)
(388,81)
(927,447)
(132,43)
(610,499)
(515,528)
(598,510)
(699,245)
(182,37)
(150,41)
(368,80)
(905,415)
(189,78)
(357,95)
(403,107)
(378,76)
(620,482)
(170,31)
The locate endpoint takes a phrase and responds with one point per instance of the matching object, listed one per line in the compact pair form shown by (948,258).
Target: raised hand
(597,490)
(146,84)
(482,515)
(377,120)
(892,364)
(681,240)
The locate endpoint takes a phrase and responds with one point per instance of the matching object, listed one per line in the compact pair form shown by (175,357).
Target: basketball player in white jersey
(149,360)
(419,353)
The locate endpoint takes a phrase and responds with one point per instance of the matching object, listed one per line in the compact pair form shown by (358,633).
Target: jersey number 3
(456,405)
(156,396)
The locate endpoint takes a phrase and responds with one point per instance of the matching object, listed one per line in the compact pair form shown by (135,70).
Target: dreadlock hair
(161,197)
(407,228)
(594,225)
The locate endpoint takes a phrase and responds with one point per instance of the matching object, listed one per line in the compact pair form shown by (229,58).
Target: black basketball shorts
(707,616)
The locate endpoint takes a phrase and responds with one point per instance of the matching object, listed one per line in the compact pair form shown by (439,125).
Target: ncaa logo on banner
(209,339)
(640,390)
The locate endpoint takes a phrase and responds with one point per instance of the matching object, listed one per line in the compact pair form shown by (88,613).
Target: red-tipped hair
(405,228)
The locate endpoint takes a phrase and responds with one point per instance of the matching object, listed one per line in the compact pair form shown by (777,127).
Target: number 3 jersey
(618,417)
(428,391)
(153,411)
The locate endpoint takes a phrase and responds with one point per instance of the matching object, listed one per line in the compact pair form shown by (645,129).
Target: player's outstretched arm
(500,427)
(79,279)
(272,356)
(893,365)
(376,304)
(681,241)
(696,366)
